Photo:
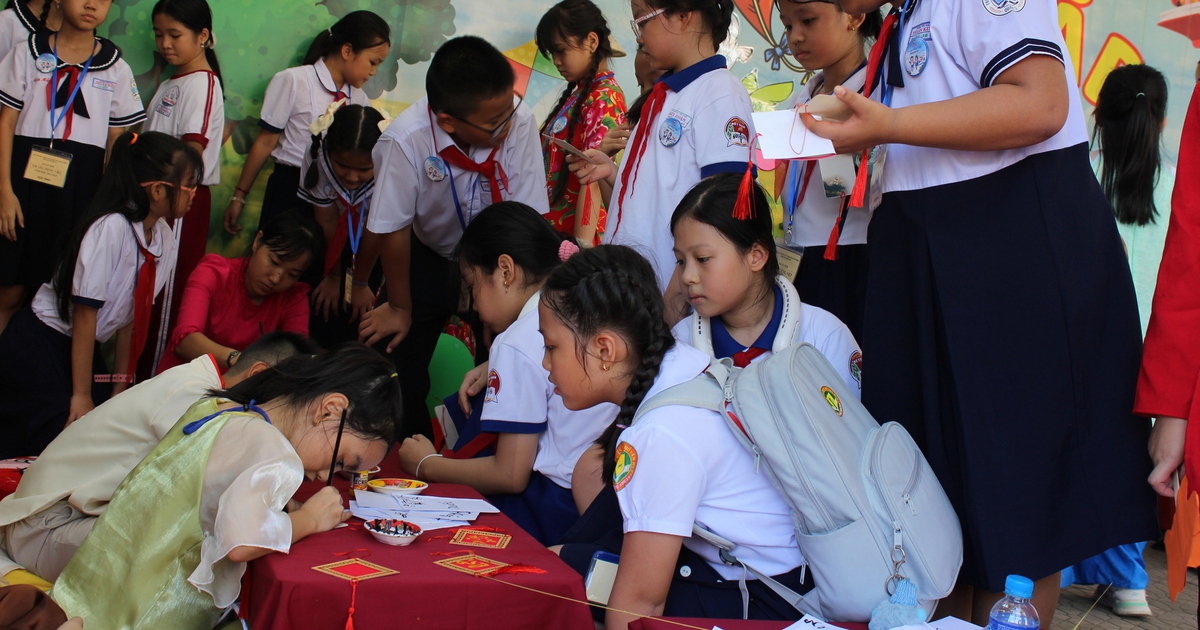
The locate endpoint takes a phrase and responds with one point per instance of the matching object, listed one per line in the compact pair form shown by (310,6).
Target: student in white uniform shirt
(830,234)
(190,106)
(340,60)
(24,17)
(72,481)
(607,342)
(728,270)
(94,100)
(994,251)
(338,179)
(117,260)
(505,255)
(695,123)
(470,143)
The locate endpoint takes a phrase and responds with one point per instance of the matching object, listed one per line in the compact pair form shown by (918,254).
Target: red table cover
(282,592)
(679,623)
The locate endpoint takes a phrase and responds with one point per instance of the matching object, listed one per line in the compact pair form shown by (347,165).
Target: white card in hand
(784,137)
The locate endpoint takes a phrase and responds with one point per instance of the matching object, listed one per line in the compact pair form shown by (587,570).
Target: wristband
(360,283)
(417,472)
(241,190)
(241,200)
(112,378)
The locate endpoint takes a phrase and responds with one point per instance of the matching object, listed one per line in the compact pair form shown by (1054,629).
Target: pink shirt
(216,304)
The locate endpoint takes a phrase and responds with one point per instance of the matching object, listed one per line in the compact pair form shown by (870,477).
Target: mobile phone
(569,148)
(600,577)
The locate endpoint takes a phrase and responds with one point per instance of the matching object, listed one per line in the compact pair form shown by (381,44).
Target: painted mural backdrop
(256,38)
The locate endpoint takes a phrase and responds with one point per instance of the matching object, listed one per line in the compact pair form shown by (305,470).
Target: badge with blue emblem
(45,63)
(670,132)
(1003,7)
(916,55)
(560,123)
(435,168)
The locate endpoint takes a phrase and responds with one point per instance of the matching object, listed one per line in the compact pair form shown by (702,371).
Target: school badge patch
(856,366)
(493,388)
(167,105)
(831,397)
(737,132)
(626,457)
(1003,7)
(916,55)
(435,168)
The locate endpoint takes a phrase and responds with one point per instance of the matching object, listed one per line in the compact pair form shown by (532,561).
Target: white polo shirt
(16,24)
(328,191)
(792,322)
(414,184)
(950,48)
(704,128)
(521,399)
(678,465)
(294,98)
(812,219)
(191,107)
(109,92)
(106,273)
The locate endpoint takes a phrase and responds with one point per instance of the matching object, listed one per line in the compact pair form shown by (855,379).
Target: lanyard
(796,199)
(355,236)
(562,111)
(462,220)
(887,87)
(54,123)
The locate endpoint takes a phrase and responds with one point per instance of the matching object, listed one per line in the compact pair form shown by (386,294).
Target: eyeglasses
(494,131)
(190,190)
(636,23)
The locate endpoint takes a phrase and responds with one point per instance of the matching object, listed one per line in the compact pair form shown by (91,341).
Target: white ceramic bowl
(390,531)
(397,486)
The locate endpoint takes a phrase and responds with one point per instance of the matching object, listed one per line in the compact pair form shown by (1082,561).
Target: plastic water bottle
(1015,611)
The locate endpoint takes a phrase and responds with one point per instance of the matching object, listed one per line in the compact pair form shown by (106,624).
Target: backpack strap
(703,392)
(726,548)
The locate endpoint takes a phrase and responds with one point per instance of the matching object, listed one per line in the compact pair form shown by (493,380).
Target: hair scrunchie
(567,249)
(323,121)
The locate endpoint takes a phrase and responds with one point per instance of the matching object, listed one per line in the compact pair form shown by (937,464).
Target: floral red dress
(603,108)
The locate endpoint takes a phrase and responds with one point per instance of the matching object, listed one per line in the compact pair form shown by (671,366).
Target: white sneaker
(1125,602)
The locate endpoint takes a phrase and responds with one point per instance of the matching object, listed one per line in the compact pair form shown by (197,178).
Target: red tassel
(513,568)
(744,208)
(860,180)
(353,597)
(586,219)
(873,72)
(834,236)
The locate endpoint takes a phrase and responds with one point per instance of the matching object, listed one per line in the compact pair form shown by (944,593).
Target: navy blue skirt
(1001,329)
(545,509)
(838,286)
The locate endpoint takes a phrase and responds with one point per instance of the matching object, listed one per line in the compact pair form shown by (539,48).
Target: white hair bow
(323,121)
(387,119)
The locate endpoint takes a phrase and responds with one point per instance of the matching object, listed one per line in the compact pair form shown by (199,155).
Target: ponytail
(196,15)
(360,29)
(133,160)
(515,229)
(612,287)
(1129,117)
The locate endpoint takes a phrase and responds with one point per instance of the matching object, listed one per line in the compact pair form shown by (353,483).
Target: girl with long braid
(601,315)
(23,17)
(574,34)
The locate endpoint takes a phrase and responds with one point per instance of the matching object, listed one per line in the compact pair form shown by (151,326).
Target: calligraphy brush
(337,444)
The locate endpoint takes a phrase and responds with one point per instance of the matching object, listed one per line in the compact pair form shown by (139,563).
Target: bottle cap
(1018,586)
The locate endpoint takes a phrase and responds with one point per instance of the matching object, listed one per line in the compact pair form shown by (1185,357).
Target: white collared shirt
(191,107)
(951,48)
(678,465)
(410,189)
(296,97)
(16,24)
(106,273)
(328,191)
(521,399)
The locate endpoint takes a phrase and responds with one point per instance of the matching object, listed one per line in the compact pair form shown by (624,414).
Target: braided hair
(572,20)
(612,287)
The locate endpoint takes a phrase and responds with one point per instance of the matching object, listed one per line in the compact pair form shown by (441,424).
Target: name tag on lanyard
(48,166)
(789,261)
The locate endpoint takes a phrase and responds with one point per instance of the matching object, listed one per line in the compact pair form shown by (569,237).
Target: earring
(605,366)
(506,284)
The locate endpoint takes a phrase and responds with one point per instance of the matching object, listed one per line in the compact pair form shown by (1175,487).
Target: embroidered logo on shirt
(856,366)
(737,132)
(626,457)
(133,90)
(1003,7)
(493,388)
(168,101)
(916,56)
(435,168)
(104,84)
(831,397)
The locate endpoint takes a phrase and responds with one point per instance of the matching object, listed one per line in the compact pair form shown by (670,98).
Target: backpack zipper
(912,483)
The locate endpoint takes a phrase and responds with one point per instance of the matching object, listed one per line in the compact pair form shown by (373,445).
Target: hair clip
(744,208)
(387,119)
(133,140)
(1140,95)
(325,120)
(567,249)
(394,374)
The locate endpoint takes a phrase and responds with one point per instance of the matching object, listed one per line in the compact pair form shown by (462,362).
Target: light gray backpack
(866,506)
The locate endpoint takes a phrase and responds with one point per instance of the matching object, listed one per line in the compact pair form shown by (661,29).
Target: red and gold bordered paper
(355,569)
(472,564)
(475,538)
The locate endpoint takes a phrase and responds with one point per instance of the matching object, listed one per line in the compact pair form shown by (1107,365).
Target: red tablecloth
(725,624)
(284,593)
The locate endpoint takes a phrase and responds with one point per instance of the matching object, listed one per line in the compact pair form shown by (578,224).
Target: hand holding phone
(569,148)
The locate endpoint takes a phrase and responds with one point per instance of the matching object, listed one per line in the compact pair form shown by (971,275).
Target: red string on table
(366,553)
(353,597)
